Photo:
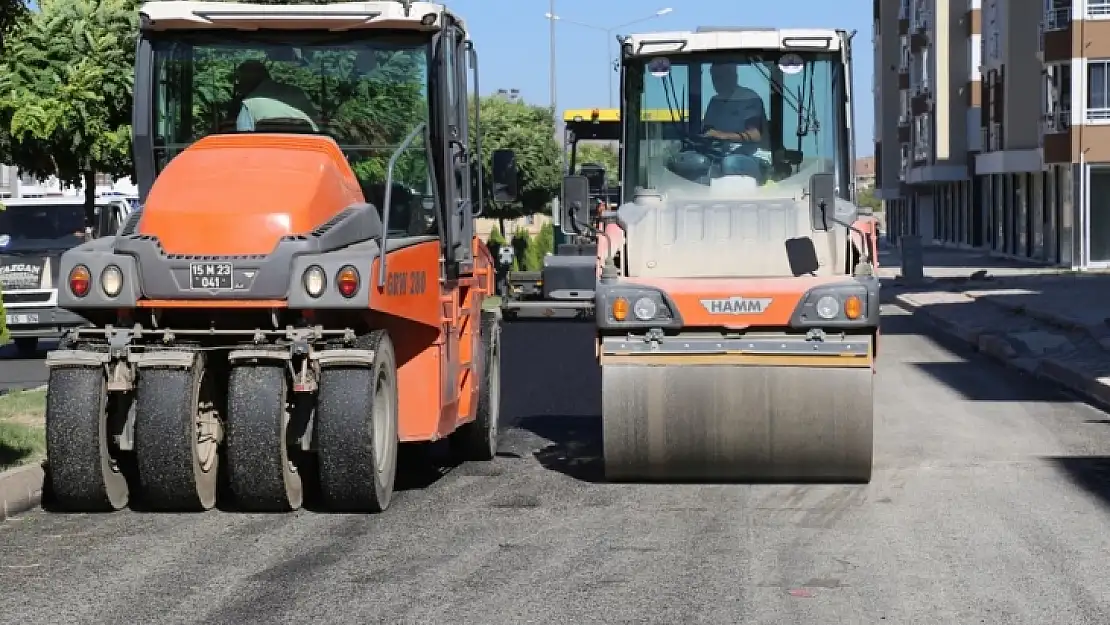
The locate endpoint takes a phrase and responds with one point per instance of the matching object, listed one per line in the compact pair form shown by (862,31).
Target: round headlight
(314,281)
(828,307)
(645,309)
(111,280)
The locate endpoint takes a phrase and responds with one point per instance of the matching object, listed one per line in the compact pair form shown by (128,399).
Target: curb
(20,490)
(997,348)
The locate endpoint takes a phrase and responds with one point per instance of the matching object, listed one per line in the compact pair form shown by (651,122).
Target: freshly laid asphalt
(990,503)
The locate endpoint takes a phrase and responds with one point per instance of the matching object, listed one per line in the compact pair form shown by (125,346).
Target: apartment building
(1075,52)
(1024,212)
(1036,182)
(927,117)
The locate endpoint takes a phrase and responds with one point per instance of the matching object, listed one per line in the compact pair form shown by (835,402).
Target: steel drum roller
(698,421)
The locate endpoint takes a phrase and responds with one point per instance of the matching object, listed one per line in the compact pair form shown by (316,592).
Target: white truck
(33,234)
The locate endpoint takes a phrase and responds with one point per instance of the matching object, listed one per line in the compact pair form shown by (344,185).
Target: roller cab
(299,291)
(738,316)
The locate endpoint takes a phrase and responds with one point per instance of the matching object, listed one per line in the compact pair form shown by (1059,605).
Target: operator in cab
(264,98)
(735,113)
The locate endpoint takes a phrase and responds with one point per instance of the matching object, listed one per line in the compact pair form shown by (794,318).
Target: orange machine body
(785,295)
(272,186)
(269,186)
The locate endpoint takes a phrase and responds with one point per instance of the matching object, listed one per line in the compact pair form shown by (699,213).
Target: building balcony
(1055,40)
(1056,123)
(1056,19)
(920,22)
(921,153)
(919,40)
(921,102)
(994,140)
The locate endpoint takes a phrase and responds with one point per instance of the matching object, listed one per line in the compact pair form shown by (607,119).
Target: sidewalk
(1049,322)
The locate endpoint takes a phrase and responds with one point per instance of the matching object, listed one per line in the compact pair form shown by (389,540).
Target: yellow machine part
(738,417)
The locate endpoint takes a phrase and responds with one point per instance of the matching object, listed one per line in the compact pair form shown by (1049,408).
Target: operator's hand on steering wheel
(728,136)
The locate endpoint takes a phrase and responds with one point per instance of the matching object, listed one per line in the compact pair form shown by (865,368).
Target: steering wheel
(709,146)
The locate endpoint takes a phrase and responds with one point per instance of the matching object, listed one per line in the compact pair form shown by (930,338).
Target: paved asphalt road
(989,505)
(19,372)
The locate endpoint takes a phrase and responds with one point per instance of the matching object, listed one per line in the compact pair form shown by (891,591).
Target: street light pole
(609,32)
(609,63)
(554,87)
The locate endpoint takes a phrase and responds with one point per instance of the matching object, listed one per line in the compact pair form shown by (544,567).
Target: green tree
(522,248)
(12,14)
(603,155)
(865,198)
(495,241)
(65,91)
(375,108)
(529,131)
(545,240)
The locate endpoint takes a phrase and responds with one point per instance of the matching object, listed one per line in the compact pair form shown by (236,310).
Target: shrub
(522,243)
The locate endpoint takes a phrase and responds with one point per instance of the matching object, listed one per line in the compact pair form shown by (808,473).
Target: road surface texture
(19,372)
(988,505)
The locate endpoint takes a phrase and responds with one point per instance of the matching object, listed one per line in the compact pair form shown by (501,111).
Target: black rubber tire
(171,477)
(477,440)
(260,475)
(350,480)
(84,477)
(26,346)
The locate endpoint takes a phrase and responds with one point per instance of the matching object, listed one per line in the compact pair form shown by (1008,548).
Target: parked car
(33,234)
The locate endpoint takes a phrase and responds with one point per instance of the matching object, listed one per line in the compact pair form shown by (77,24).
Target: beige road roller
(737,303)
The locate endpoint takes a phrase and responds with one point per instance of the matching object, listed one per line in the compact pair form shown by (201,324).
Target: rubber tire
(345,432)
(26,346)
(477,440)
(256,449)
(82,478)
(170,473)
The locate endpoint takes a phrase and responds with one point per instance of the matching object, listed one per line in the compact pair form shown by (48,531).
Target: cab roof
(710,38)
(340,16)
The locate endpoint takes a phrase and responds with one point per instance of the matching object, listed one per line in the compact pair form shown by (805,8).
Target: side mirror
(574,205)
(822,200)
(505,176)
(792,157)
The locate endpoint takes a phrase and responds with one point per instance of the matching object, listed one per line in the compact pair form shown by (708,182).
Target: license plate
(21,319)
(210,276)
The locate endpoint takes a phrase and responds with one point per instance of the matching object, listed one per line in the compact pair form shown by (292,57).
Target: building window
(1098,97)
(1096,8)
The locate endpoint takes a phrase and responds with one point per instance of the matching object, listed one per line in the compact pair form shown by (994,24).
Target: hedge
(528,251)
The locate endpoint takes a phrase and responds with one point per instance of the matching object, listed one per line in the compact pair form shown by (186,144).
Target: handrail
(389,197)
(477,129)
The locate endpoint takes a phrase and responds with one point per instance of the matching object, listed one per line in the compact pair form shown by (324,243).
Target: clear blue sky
(513,42)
